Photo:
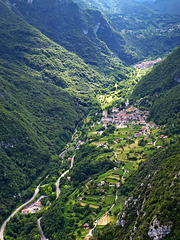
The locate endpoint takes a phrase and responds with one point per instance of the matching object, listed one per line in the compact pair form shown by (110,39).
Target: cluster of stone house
(147,64)
(129,115)
(143,131)
(35,207)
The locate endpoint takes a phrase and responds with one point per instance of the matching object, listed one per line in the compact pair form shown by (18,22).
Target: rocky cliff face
(157,231)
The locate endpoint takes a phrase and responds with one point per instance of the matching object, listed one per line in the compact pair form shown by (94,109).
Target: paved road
(72,162)
(57,183)
(12,215)
(154,144)
(58,191)
(41,231)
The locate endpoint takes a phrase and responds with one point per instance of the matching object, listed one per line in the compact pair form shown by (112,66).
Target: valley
(125,139)
(89,120)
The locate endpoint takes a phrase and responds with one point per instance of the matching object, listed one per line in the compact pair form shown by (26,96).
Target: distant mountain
(165,6)
(147,33)
(129,29)
(87,33)
(112,6)
(44,92)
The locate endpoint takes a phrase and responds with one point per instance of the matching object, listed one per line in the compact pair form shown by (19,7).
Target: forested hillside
(44,93)
(147,33)
(152,207)
(111,6)
(159,91)
(98,135)
(129,29)
(87,32)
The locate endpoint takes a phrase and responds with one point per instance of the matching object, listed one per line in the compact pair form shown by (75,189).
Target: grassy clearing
(105,220)
(90,204)
(115,177)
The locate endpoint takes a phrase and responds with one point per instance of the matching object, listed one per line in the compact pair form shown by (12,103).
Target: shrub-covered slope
(147,33)
(88,33)
(160,91)
(44,92)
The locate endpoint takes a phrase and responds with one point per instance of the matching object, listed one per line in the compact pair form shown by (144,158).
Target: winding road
(58,191)
(12,215)
(41,231)
(36,192)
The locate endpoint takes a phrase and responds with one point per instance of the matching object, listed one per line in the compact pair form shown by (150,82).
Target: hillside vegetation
(86,32)
(45,91)
(152,208)
(118,132)
(130,30)
(147,33)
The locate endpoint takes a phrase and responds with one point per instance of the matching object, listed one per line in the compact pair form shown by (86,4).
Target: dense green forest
(88,33)
(147,33)
(43,96)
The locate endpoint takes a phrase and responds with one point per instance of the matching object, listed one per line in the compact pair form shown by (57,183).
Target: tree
(79,232)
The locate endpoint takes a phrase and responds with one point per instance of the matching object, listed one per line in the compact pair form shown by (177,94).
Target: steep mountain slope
(160,91)
(44,92)
(111,6)
(125,6)
(147,33)
(86,32)
(152,208)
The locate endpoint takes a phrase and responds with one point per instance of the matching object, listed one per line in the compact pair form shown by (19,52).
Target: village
(147,64)
(130,115)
